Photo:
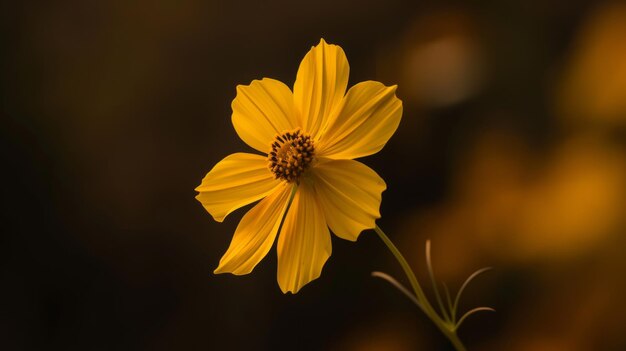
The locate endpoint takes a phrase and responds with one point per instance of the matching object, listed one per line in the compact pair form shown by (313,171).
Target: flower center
(292,152)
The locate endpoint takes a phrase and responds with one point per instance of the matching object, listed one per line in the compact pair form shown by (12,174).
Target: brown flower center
(292,152)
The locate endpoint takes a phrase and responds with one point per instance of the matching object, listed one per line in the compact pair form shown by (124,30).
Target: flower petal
(349,193)
(304,243)
(261,110)
(235,181)
(368,116)
(255,233)
(320,85)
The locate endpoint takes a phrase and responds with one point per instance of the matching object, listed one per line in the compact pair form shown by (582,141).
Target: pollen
(291,154)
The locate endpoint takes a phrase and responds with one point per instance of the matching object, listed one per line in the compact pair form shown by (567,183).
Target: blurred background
(511,153)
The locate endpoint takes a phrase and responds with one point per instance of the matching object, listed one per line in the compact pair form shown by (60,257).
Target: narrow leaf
(444,312)
(400,287)
(470,312)
(467,281)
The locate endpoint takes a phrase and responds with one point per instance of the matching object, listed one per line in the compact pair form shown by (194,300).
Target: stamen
(291,154)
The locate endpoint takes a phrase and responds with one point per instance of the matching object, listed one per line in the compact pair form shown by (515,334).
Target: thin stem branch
(455,306)
(419,293)
(471,312)
(431,273)
(446,328)
(449,302)
(391,280)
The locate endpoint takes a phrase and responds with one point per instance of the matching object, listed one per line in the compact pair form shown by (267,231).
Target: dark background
(511,153)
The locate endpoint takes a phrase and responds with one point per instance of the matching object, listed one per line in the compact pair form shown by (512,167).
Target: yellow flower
(309,138)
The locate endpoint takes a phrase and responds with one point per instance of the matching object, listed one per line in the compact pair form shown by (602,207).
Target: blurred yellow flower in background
(593,83)
(308,181)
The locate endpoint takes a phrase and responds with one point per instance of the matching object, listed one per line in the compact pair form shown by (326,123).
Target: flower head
(307,179)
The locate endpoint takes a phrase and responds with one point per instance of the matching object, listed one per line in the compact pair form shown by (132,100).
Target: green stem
(456,342)
(419,293)
(447,330)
